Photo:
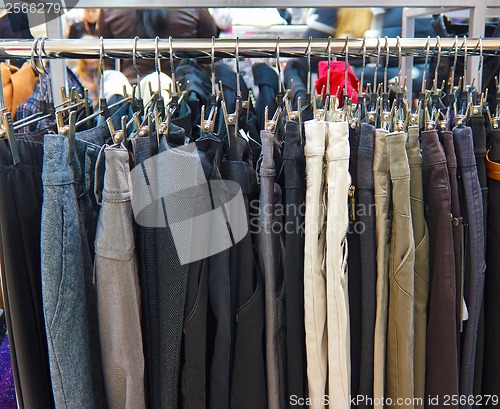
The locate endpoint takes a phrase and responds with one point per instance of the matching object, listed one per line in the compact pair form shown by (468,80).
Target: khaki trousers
(400,327)
(382,189)
(421,238)
(339,180)
(314,266)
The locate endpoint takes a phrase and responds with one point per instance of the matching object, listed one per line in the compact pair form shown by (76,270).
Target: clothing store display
(206,249)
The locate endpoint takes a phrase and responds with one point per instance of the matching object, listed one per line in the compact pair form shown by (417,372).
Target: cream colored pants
(339,181)
(314,266)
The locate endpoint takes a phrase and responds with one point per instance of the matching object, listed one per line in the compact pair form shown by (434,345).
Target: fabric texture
(118,292)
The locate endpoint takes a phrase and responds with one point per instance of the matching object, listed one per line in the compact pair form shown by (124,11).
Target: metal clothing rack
(203,48)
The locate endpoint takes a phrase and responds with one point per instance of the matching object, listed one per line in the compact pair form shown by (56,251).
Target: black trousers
(354,268)
(295,193)
(365,220)
(148,273)
(442,331)
(491,370)
(20,212)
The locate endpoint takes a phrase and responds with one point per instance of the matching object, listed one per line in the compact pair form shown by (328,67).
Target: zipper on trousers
(352,202)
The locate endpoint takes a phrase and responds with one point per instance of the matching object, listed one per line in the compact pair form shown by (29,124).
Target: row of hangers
(373,105)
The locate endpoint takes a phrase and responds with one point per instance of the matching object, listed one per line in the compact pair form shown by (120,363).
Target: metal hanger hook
(237,58)
(134,63)
(346,73)
(329,65)
(157,64)
(454,68)
(34,46)
(400,58)
(41,52)
(465,57)
(212,65)
(386,62)
(426,63)
(481,56)
(172,67)
(438,61)
(363,47)
(278,65)
(101,63)
(308,52)
(376,66)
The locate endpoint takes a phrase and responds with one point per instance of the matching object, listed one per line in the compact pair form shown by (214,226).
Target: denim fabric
(63,280)
(441,374)
(368,249)
(458,226)
(119,298)
(20,212)
(295,191)
(472,205)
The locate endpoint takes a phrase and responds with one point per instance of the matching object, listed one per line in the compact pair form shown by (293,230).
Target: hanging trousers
(172,276)
(365,216)
(421,239)
(338,183)
(295,191)
(20,212)
(400,325)
(457,221)
(314,266)
(354,265)
(441,374)
(269,254)
(472,204)
(491,372)
(64,274)
(477,124)
(118,288)
(382,189)
(248,380)
(148,272)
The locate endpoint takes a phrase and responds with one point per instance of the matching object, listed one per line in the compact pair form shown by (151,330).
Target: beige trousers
(421,238)
(400,327)
(382,190)
(314,264)
(339,181)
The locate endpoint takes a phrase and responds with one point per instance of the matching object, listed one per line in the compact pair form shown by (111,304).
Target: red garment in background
(337,79)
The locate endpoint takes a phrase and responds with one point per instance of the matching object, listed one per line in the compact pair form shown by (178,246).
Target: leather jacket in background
(179,23)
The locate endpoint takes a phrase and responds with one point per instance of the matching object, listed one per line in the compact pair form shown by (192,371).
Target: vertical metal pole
(58,66)
(477,23)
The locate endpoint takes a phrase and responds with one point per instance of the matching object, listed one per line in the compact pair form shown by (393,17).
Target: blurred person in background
(87,71)
(178,23)
(88,25)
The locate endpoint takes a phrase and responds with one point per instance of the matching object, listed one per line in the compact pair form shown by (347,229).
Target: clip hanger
(270,125)
(208,125)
